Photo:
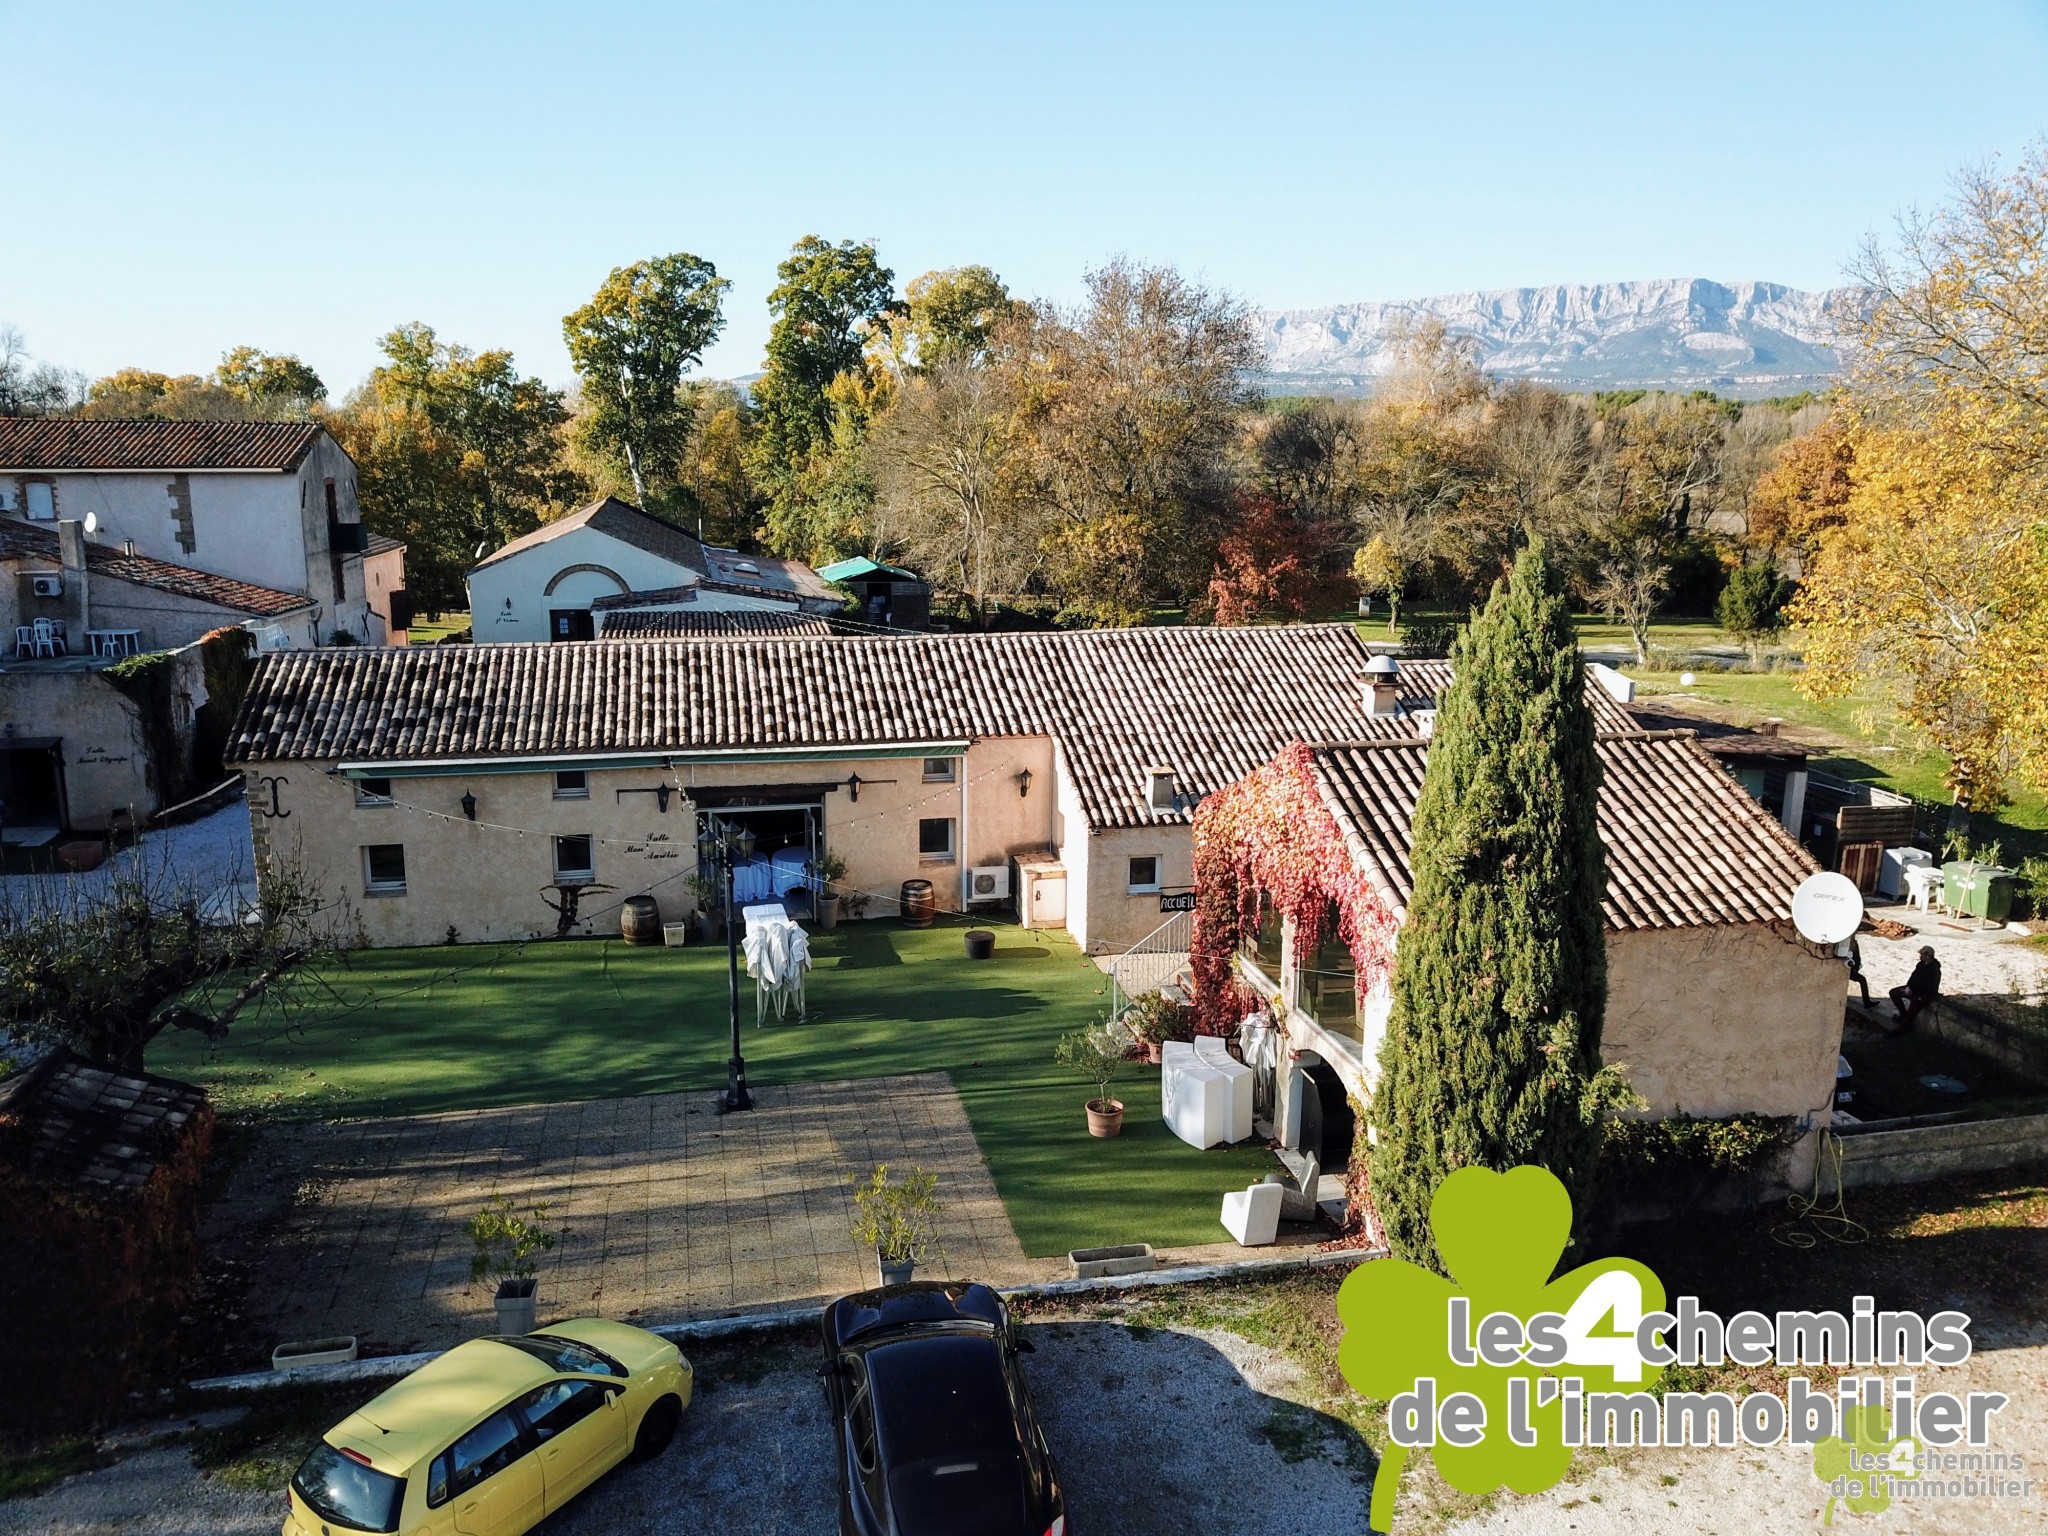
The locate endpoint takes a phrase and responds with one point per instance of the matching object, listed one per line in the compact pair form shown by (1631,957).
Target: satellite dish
(1827,908)
(92,523)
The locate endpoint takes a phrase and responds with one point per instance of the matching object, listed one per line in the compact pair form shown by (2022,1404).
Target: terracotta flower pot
(1105,1117)
(1152,1052)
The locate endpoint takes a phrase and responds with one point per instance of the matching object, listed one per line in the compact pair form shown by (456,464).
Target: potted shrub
(1097,1053)
(710,897)
(1155,1019)
(830,870)
(506,1244)
(899,1221)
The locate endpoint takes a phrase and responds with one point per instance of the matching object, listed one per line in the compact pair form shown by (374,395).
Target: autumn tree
(270,381)
(947,316)
(456,453)
(646,326)
(1804,491)
(249,385)
(1932,585)
(1132,403)
(1268,565)
(953,482)
(1381,564)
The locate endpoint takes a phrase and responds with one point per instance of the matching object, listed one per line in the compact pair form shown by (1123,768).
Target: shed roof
(1686,845)
(32,443)
(861,565)
(626,523)
(88,1125)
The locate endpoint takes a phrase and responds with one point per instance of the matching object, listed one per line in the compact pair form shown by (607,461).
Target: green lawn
(426,631)
(420,1030)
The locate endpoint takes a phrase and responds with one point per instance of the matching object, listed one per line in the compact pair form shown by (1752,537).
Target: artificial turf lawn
(414,1031)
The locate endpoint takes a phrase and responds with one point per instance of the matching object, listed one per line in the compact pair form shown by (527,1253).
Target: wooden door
(1862,863)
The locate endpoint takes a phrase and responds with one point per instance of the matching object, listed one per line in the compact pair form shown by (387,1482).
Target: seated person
(1920,990)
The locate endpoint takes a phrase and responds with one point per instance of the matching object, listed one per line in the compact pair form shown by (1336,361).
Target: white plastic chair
(46,641)
(1252,1216)
(1214,1053)
(24,640)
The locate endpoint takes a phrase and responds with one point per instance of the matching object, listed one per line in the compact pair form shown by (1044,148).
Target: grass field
(423,1030)
(433,631)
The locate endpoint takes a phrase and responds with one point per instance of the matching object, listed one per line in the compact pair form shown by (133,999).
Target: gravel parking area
(1155,1431)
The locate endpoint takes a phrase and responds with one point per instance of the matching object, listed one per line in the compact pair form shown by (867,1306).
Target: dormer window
(1159,789)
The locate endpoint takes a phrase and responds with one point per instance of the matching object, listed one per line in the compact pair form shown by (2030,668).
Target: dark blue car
(934,1425)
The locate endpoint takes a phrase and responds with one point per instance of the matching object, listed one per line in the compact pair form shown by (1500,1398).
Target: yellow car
(494,1435)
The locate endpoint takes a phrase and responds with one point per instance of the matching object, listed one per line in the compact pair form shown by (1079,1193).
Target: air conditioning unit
(988,882)
(46,586)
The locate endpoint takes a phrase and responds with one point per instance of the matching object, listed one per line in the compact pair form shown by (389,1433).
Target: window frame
(941,770)
(1248,943)
(372,886)
(587,875)
(580,792)
(951,854)
(370,799)
(1307,974)
(28,485)
(599,1396)
(1132,883)
(522,1444)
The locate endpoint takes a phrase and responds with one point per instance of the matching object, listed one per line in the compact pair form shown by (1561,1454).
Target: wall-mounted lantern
(469,805)
(1023,782)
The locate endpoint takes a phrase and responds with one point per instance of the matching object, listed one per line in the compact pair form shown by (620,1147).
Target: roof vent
(746,567)
(1382,686)
(1159,789)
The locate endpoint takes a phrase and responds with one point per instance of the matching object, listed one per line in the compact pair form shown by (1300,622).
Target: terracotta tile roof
(1686,846)
(61,443)
(74,1121)
(1211,704)
(24,539)
(700,623)
(627,524)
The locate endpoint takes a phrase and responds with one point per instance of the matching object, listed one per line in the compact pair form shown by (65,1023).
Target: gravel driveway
(1154,1431)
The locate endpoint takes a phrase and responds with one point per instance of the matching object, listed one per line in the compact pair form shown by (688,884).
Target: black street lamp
(724,845)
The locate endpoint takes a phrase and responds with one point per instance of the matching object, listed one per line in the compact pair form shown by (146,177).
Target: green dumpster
(1955,884)
(1990,894)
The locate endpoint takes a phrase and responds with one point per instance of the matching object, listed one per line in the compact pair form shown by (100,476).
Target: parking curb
(381,1367)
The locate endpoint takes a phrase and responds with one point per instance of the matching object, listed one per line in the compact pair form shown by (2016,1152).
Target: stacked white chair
(1212,1052)
(1194,1097)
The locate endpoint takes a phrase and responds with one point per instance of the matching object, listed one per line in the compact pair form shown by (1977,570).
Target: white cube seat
(1194,1097)
(1213,1052)
(1252,1216)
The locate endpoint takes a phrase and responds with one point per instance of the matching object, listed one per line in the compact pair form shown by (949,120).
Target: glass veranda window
(1326,979)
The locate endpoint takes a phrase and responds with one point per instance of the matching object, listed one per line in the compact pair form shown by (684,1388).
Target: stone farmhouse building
(178,527)
(1055,771)
(1715,1004)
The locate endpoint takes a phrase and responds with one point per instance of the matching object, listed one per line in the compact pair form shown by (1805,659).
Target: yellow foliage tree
(1930,577)
(1381,565)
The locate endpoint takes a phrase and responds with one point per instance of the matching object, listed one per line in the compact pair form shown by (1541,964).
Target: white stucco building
(544,585)
(268,504)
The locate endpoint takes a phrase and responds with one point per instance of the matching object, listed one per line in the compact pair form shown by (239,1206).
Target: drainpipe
(963,834)
(71,549)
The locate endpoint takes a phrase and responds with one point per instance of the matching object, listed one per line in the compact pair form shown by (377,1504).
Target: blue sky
(178,179)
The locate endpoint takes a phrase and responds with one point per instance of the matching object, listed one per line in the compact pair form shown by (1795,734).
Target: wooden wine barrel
(920,906)
(640,920)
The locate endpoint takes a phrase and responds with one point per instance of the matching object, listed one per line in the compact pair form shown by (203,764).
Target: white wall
(509,598)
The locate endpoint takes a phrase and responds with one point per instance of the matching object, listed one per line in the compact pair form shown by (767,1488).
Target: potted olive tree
(506,1244)
(898,1221)
(830,870)
(1097,1053)
(710,898)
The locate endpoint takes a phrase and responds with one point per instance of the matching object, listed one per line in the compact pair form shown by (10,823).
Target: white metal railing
(1151,963)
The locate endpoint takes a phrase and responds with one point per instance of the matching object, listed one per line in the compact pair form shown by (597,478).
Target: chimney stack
(1382,686)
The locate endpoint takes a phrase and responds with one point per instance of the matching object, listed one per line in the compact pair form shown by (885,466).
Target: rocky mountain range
(1743,339)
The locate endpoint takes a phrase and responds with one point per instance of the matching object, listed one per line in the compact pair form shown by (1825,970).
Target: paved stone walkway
(668,1210)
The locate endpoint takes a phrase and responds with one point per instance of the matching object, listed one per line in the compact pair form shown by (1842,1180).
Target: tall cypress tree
(1492,1053)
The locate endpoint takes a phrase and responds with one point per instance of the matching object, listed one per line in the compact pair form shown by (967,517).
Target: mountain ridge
(1748,338)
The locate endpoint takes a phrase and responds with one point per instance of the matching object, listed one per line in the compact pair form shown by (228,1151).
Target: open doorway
(788,840)
(31,792)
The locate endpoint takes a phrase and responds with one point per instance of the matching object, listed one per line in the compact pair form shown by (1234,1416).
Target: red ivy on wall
(1271,837)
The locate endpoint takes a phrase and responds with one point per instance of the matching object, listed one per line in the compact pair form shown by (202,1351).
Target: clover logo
(1865,1429)
(1501,1236)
